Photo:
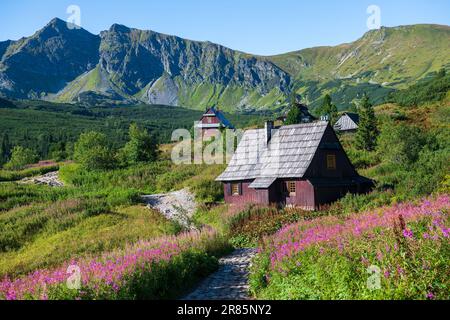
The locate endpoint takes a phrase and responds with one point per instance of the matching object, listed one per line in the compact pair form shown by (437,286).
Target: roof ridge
(306,125)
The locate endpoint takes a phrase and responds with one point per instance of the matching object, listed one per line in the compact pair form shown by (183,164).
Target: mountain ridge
(125,65)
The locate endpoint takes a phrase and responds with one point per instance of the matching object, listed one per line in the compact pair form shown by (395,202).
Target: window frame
(331,161)
(234,188)
(291,188)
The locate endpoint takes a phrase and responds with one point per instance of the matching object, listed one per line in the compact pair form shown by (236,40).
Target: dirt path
(230,282)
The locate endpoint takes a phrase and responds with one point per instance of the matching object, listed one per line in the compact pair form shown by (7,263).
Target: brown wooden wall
(304,195)
(248,195)
(318,167)
(327,195)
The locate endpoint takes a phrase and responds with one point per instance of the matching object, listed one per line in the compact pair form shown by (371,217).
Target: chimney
(268,130)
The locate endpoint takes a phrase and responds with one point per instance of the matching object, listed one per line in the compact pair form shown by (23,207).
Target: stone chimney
(268,130)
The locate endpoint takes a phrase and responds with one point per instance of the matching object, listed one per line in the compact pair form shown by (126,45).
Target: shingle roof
(348,121)
(211,112)
(287,155)
(224,120)
(262,182)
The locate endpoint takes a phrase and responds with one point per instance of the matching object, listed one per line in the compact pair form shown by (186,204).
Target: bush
(141,147)
(431,90)
(249,226)
(14,175)
(20,157)
(93,151)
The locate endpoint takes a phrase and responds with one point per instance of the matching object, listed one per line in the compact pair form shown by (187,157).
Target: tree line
(93,150)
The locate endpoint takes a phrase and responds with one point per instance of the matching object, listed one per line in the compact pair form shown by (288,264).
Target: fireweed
(115,274)
(409,242)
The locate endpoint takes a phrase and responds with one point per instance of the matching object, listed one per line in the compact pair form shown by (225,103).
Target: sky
(262,27)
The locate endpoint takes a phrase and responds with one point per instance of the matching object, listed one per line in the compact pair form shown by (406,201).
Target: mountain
(44,63)
(162,69)
(380,61)
(124,65)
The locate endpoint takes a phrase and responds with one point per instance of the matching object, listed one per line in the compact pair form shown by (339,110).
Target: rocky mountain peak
(129,65)
(119,28)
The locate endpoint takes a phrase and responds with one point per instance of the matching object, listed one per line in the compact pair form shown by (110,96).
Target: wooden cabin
(212,121)
(348,122)
(302,165)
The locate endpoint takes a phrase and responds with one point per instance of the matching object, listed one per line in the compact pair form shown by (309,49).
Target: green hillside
(379,62)
(130,66)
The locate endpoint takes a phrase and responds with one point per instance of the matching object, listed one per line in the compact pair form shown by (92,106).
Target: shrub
(93,151)
(14,175)
(249,226)
(141,147)
(433,89)
(20,157)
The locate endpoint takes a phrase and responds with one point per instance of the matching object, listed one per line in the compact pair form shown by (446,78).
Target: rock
(50,178)
(178,206)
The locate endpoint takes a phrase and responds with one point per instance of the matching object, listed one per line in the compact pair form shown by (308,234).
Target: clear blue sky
(255,26)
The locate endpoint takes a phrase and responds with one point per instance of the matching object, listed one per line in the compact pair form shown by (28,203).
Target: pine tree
(5,149)
(294,114)
(367,133)
(333,114)
(329,109)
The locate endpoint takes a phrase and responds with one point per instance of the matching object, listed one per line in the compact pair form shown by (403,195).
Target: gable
(330,145)
(215,118)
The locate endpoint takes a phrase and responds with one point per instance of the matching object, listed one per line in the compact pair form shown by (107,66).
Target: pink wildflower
(408,234)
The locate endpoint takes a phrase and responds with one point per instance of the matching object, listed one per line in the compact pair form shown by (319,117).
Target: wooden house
(348,122)
(302,165)
(212,121)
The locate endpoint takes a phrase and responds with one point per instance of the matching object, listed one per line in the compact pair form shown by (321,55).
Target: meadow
(396,252)
(124,250)
(99,215)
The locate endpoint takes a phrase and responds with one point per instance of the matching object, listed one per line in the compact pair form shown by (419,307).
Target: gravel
(178,206)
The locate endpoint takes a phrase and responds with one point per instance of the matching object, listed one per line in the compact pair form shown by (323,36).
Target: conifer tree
(367,133)
(329,109)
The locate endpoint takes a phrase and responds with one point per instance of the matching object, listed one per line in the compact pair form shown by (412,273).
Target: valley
(94,206)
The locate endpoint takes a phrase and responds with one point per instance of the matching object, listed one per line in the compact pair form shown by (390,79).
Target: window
(331,161)
(235,189)
(291,188)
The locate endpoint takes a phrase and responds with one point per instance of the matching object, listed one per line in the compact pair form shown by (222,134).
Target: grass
(330,258)
(64,238)
(97,211)
(14,175)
